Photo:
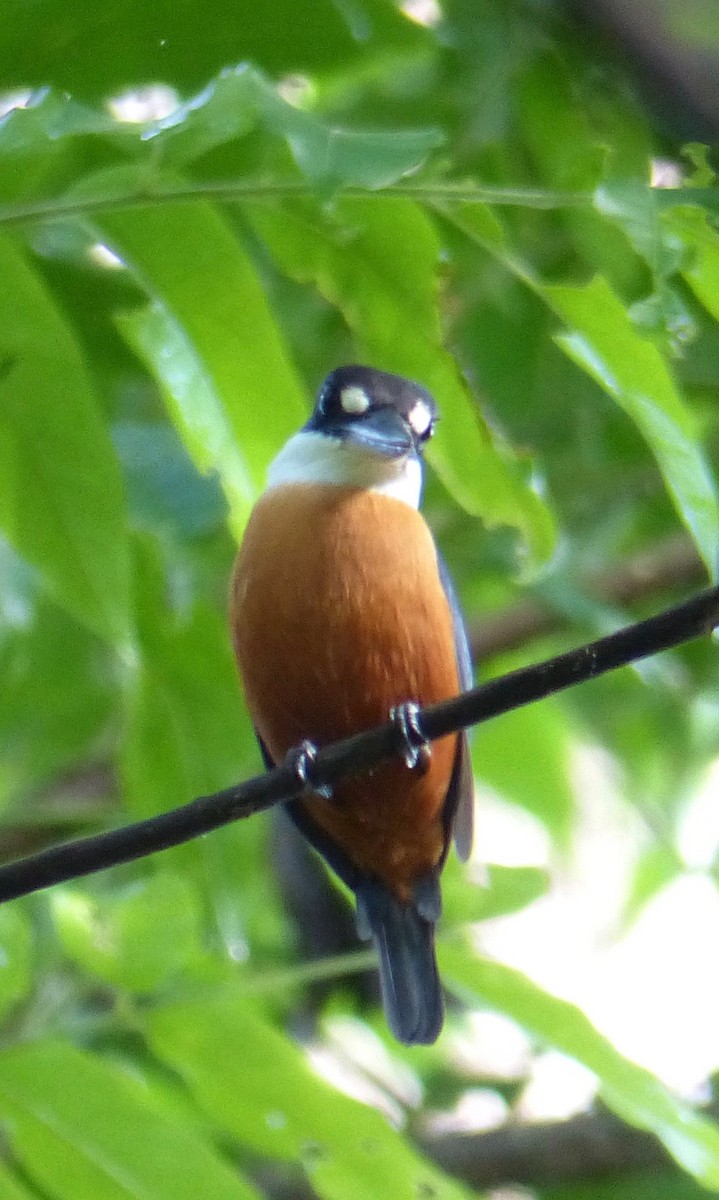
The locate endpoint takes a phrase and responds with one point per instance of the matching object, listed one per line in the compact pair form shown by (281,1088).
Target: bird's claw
(414,743)
(301,761)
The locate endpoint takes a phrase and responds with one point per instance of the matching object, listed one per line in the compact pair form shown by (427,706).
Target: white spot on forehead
(354,400)
(420,417)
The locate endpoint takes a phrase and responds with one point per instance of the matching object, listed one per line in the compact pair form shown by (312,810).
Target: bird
(342,615)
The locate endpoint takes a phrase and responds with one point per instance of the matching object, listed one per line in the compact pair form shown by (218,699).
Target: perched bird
(341,612)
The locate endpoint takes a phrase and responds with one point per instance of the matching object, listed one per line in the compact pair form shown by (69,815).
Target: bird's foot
(414,743)
(301,761)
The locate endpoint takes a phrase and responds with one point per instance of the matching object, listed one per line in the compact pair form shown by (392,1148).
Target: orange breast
(337,615)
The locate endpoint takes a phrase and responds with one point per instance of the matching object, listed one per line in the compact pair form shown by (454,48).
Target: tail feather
(409,979)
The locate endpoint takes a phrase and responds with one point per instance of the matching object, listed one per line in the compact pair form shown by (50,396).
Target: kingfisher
(342,615)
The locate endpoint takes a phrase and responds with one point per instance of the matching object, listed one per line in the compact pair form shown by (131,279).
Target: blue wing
(459,806)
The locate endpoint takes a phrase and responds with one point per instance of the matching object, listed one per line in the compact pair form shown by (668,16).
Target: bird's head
(368,430)
(382,413)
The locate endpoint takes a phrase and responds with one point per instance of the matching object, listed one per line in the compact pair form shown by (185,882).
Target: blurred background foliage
(202,211)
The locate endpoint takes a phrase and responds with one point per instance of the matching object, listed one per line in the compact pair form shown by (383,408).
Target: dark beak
(384,431)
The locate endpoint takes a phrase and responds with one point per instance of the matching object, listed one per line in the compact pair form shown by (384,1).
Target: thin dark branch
(695,618)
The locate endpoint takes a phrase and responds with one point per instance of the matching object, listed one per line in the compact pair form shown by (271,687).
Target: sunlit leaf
(16,949)
(61,499)
(83,1129)
(241,99)
(11,1188)
(72,44)
(209,337)
(604,342)
(524,757)
(629,1090)
(258,1087)
(496,891)
(136,940)
(700,245)
(48,721)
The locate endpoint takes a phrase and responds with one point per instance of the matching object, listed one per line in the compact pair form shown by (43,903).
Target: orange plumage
(338,615)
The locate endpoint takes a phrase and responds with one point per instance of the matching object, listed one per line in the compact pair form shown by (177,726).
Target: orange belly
(338,614)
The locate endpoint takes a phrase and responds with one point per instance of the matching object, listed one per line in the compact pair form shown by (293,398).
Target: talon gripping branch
(341,612)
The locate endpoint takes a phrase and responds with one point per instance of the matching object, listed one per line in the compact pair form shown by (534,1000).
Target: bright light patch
(354,400)
(152,103)
(488,1045)
(666,173)
(297,90)
(476,1109)
(558,1088)
(422,12)
(420,418)
(699,826)
(103,256)
(19,98)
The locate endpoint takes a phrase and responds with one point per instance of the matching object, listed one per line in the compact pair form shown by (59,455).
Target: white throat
(317,458)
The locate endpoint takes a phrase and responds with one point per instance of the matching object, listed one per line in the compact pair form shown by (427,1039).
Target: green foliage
(268,1097)
(630,1091)
(138,940)
(84,1127)
(16,947)
(466,203)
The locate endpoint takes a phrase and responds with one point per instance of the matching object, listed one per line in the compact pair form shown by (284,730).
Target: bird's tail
(403,934)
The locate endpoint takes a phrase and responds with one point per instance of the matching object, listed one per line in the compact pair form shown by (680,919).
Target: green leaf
(86,1130)
(137,940)
(61,498)
(499,891)
(211,341)
(154,765)
(634,1094)
(636,207)
(47,146)
(69,43)
(655,869)
(57,693)
(557,127)
(605,343)
(11,1188)
(188,734)
(524,756)
(636,1185)
(259,1087)
(378,264)
(700,242)
(164,490)
(329,156)
(16,955)
(575,140)
(187,719)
